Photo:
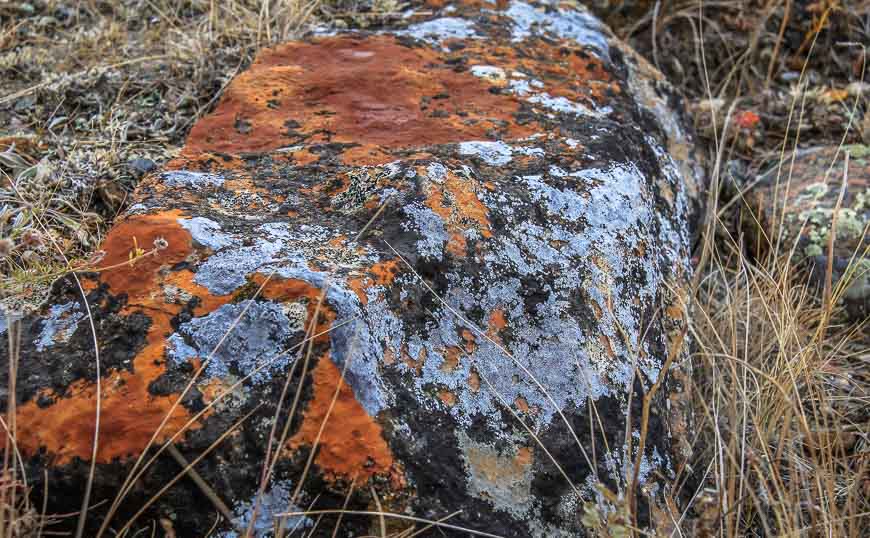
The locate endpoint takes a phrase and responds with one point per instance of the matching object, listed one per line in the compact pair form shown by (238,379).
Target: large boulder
(481,217)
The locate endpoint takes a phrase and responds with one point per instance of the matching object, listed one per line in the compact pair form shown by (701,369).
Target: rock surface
(803,198)
(528,184)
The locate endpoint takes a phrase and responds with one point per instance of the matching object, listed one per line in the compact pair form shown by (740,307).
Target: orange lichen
(452,356)
(351,443)
(497,322)
(470,341)
(457,245)
(455,200)
(353,89)
(183,281)
(474,381)
(129,413)
(525,455)
(206,162)
(501,468)
(674,311)
(366,155)
(447,397)
(383,273)
(137,279)
(359,285)
(379,274)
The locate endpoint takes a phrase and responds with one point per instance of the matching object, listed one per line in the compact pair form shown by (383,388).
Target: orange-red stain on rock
(137,278)
(291,289)
(351,443)
(497,322)
(130,414)
(379,274)
(455,200)
(358,90)
(447,397)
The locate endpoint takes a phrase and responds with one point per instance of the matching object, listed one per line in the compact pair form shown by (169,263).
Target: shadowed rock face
(532,190)
(803,196)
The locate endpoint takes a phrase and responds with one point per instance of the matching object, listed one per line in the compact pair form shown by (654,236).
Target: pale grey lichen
(206,232)
(275,501)
(576,24)
(492,153)
(620,464)
(523,86)
(496,153)
(228,270)
(137,209)
(58,326)
(430,227)
(439,30)
(526,87)
(588,240)
(564,105)
(196,180)
(489,72)
(254,337)
(436,172)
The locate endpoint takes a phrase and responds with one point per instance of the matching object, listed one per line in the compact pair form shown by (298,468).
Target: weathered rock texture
(795,204)
(537,180)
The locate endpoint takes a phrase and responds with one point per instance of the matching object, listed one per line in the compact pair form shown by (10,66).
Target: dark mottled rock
(802,197)
(140,167)
(530,187)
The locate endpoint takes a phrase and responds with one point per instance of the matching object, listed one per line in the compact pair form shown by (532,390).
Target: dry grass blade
(185,471)
(200,483)
(86,498)
(371,513)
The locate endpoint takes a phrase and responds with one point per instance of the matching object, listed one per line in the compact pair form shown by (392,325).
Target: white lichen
(59,326)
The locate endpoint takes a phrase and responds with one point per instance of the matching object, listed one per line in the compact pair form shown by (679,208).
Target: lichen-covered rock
(796,203)
(494,203)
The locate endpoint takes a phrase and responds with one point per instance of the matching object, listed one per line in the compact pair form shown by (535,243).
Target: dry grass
(782,377)
(782,374)
(782,406)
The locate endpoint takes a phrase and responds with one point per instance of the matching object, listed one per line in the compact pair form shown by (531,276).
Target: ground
(96,94)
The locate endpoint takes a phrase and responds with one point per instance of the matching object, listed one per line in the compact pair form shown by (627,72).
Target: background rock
(529,188)
(795,205)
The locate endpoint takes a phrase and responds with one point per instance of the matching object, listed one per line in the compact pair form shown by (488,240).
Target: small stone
(139,167)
